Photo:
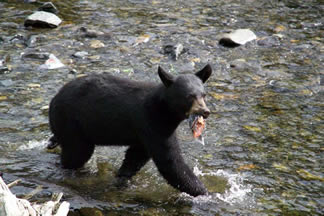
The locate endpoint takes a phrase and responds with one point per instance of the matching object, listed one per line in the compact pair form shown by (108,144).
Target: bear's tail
(52,143)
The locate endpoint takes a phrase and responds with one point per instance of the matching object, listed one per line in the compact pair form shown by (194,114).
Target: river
(264,141)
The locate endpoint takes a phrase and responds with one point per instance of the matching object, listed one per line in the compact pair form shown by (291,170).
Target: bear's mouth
(197,125)
(201,112)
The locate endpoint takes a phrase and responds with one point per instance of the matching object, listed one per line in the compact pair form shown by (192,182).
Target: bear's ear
(204,73)
(165,77)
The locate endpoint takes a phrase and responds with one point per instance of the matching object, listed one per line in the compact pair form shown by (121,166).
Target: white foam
(238,191)
(33,144)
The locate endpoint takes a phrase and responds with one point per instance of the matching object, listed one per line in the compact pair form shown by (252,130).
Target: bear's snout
(199,108)
(206,113)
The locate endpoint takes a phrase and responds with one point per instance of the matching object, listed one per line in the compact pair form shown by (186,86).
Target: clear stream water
(264,142)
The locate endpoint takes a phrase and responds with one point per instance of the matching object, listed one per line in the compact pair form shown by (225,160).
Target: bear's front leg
(166,155)
(136,157)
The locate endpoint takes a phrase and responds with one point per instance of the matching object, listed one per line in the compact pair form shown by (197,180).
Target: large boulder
(237,37)
(43,19)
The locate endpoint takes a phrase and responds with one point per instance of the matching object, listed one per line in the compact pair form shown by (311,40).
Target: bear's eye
(191,97)
(203,95)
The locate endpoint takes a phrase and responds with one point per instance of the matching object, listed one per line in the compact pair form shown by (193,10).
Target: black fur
(107,110)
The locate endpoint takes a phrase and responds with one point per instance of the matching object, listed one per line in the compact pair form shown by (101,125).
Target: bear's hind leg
(76,152)
(136,157)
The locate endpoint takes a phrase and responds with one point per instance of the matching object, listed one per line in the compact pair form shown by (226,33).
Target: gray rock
(81,54)
(89,33)
(6,83)
(43,19)
(36,55)
(239,64)
(3,69)
(237,37)
(48,7)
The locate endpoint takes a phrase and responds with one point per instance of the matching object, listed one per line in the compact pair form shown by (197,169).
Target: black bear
(102,109)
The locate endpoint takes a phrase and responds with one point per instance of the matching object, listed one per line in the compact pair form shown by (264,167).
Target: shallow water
(264,142)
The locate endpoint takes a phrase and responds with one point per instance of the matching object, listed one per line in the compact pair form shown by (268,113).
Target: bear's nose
(206,113)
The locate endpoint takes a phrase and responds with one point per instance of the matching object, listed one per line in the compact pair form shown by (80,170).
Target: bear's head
(185,93)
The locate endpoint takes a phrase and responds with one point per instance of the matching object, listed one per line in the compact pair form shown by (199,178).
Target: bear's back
(106,107)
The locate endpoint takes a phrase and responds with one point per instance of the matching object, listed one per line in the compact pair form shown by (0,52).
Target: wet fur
(107,110)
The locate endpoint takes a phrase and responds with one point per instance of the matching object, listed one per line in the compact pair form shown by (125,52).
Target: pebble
(237,37)
(33,85)
(52,63)
(96,44)
(48,7)
(46,107)
(280,28)
(142,39)
(81,54)
(3,69)
(43,19)
(89,33)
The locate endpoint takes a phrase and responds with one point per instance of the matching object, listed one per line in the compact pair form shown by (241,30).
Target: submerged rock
(43,19)
(6,83)
(80,54)
(90,33)
(34,39)
(48,7)
(9,25)
(237,37)
(269,41)
(243,65)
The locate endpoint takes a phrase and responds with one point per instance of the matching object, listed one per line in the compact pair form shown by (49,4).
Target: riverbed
(264,140)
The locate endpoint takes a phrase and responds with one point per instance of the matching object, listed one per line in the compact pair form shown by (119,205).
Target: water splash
(238,191)
(33,144)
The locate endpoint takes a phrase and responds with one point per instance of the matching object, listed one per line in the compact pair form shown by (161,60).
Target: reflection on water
(264,139)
